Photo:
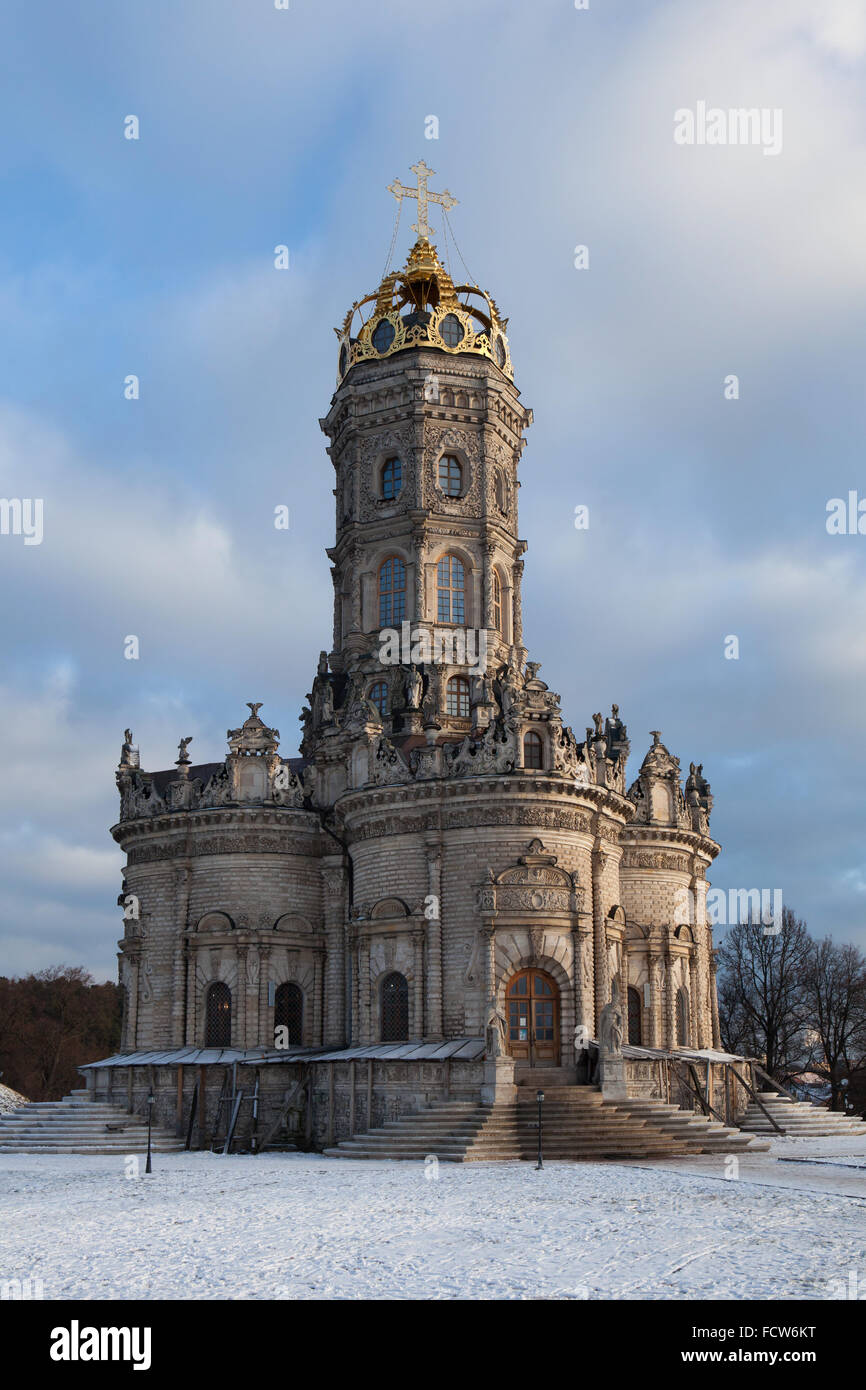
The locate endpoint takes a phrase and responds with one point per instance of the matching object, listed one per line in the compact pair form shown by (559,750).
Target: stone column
(420,541)
(517,606)
(189,996)
(319,957)
(239,1023)
(181,889)
(714,1000)
(487,616)
(356,587)
(599,932)
(366,990)
(266,1032)
(134,958)
(418,1029)
(434,940)
(671,1012)
(694,998)
(337,1028)
(655,1010)
(624,982)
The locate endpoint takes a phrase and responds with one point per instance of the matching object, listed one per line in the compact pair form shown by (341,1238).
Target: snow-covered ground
(302,1226)
(10,1100)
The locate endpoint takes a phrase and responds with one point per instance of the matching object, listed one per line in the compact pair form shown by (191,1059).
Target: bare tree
(835,993)
(762,995)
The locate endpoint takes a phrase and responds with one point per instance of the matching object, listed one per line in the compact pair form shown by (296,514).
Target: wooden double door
(532,1012)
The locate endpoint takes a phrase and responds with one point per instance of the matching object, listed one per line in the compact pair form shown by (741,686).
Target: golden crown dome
(420,305)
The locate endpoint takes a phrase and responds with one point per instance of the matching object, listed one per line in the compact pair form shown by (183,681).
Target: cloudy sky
(261,127)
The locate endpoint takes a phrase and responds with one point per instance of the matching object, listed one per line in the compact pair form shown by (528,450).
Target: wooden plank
(777,1085)
(192,1110)
(178,1128)
(728,1105)
(696,1087)
(202,1109)
(753,1093)
(331,1067)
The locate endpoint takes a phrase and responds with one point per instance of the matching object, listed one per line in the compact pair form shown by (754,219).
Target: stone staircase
(77,1125)
(798,1118)
(576,1124)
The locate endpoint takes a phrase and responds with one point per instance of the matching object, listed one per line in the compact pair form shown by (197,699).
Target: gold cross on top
(423,195)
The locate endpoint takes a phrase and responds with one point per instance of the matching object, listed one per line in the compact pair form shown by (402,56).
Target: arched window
(392,592)
(457,697)
(289,1012)
(218,1016)
(497,602)
(451,585)
(395,1008)
(634,1017)
(682,1018)
(450,475)
(378,694)
(392,478)
(533,750)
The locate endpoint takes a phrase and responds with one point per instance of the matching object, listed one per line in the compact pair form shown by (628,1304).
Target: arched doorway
(395,1008)
(532,1012)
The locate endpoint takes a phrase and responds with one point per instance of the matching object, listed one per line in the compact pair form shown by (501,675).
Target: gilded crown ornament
(420,305)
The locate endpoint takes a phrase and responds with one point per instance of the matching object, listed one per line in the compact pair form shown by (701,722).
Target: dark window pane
(218,1016)
(289,1012)
(383,335)
(395,1008)
(451,330)
(378,693)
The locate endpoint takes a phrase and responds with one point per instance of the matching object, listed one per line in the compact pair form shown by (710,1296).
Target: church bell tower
(426,430)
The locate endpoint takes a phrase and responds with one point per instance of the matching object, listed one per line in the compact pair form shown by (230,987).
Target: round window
(383,335)
(344,359)
(451,330)
(499,351)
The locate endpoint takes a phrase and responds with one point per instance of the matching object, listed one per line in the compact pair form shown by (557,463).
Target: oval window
(383,335)
(344,360)
(451,330)
(499,351)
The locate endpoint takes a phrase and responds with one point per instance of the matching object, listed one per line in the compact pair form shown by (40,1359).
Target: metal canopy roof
(463,1049)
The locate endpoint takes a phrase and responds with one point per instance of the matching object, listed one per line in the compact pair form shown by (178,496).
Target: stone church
(438,895)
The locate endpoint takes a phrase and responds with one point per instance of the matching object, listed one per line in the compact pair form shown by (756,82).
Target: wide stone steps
(576,1124)
(799,1118)
(78,1125)
(711,1135)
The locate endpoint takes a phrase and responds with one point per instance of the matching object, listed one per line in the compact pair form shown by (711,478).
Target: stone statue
(495,1032)
(129,752)
(414,686)
(182,747)
(610,1025)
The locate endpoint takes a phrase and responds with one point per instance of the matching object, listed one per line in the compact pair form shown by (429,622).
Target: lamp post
(539,1096)
(148,1167)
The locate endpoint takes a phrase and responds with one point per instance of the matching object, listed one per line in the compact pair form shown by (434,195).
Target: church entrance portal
(532,1007)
